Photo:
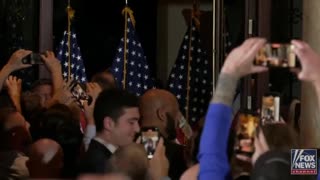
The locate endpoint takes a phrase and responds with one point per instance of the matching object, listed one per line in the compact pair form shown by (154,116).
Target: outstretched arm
(213,145)
(54,66)
(310,62)
(310,73)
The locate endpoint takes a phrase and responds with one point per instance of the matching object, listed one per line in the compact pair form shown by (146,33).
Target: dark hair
(30,104)
(4,117)
(40,82)
(275,165)
(58,123)
(16,138)
(111,103)
(102,81)
(279,136)
(5,100)
(130,160)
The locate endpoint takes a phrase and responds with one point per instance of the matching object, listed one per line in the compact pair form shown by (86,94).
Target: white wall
(171,27)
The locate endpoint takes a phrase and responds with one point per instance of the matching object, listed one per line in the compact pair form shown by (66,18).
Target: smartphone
(276,55)
(33,58)
(78,91)
(247,123)
(270,110)
(150,137)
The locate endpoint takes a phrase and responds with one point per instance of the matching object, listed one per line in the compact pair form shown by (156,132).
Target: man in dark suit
(160,108)
(116,116)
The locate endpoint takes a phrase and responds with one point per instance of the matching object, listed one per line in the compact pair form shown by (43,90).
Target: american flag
(138,78)
(77,69)
(200,79)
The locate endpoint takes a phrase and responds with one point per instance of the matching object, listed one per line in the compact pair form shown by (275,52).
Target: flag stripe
(76,65)
(137,70)
(199,77)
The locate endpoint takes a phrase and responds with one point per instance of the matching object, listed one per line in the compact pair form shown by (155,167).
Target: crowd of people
(46,132)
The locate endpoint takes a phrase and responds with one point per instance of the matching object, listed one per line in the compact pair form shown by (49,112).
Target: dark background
(286,24)
(99,26)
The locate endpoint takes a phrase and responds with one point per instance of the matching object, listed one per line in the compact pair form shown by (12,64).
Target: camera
(33,58)
(247,123)
(78,91)
(276,55)
(270,110)
(150,137)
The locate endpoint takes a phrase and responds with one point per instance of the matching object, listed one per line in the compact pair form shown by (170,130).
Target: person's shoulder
(98,149)
(94,160)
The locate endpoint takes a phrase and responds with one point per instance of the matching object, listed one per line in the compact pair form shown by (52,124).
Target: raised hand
(62,95)
(14,90)
(51,61)
(14,86)
(159,164)
(93,90)
(15,62)
(310,62)
(239,63)
(261,146)
(54,66)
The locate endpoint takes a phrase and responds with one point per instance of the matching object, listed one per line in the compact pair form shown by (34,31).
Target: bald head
(160,108)
(46,159)
(156,99)
(131,160)
(45,150)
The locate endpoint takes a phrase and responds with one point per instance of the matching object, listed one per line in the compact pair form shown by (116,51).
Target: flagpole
(188,76)
(125,48)
(69,39)
(193,15)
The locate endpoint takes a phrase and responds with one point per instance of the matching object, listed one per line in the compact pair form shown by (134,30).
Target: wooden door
(257,23)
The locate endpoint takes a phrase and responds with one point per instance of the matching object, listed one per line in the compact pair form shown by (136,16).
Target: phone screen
(150,138)
(245,132)
(33,58)
(79,93)
(276,55)
(270,110)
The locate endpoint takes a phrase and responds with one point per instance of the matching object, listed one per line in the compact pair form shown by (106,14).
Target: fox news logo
(304,161)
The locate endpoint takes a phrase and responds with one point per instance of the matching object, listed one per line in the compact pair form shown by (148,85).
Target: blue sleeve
(214,141)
